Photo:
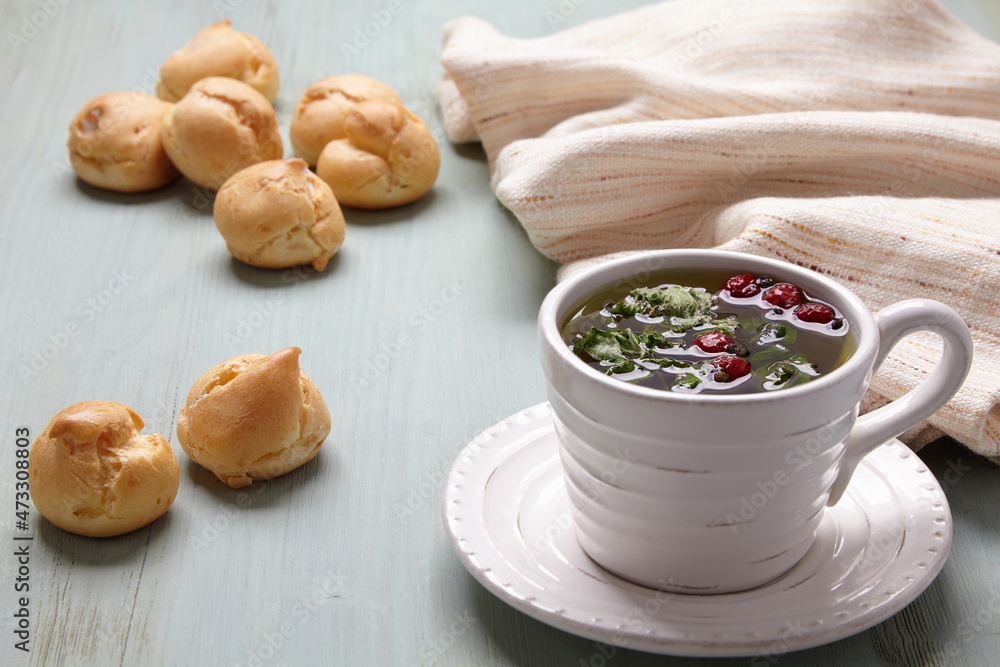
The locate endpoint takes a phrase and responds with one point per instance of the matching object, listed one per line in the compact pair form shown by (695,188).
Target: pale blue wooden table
(345,561)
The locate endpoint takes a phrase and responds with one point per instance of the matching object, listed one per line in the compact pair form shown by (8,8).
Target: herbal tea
(702,330)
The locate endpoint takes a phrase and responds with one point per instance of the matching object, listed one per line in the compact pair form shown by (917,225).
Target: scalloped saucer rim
(858,573)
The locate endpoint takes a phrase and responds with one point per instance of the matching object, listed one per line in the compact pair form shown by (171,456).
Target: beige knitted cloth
(860,138)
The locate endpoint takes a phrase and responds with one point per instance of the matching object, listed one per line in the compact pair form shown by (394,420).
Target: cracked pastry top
(114,143)
(388,157)
(321,111)
(278,214)
(220,127)
(92,473)
(218,50)
(253,417)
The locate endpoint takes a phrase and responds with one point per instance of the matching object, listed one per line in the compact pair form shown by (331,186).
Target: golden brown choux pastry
(218,50)
(388,157)
(220,127)
(278,214)
(115,144)
(321,111)
(253,417)
(92,473)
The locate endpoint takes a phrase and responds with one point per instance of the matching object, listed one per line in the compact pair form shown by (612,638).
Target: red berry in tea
(702,330)
(714,341)
(729,368)
(784,295)
(820,313)
(742,286)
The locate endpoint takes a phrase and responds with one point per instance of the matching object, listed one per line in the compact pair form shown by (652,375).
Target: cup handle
(895,322)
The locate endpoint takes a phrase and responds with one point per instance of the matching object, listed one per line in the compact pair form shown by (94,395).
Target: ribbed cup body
(700,493)
(699,515)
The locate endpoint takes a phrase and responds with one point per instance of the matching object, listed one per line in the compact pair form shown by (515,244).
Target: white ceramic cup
(700,493)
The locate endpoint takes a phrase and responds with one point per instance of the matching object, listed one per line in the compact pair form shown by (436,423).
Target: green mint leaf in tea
(704,331)
(624,367)
(771,333)
(601,345)
(778,374)
(803,365)
(687,381)
(685,307)
(770,353)
(628,307)
(684,302)
(614,345)
(727,326)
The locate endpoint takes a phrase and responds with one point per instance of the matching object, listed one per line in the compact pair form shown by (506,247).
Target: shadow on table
(469,151)
(263,494)
(922,632)
(106,551)
(179,189)
(280,278)
(525,641)
(945,624)
(387,216)
(971,482)
(194,202)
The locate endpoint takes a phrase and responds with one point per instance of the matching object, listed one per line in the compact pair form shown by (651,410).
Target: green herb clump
(661,328)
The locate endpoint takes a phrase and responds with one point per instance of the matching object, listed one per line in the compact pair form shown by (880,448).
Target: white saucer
(510,521)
